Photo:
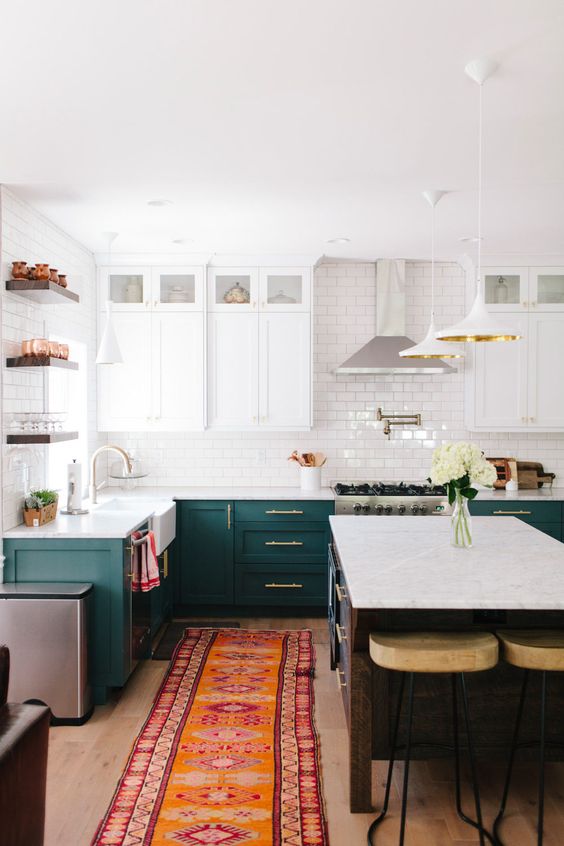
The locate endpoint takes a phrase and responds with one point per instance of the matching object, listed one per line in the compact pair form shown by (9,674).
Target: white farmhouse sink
(161,514)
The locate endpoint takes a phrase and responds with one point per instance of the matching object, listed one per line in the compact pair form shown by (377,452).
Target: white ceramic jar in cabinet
(128,287)
(285,289)
(233,290)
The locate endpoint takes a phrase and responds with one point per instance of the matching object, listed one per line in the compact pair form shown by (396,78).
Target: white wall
(27,235)
(344,406)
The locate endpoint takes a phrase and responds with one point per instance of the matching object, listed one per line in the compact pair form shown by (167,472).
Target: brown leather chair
(24,735)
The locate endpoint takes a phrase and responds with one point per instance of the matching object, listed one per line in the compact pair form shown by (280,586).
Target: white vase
(461,523)
(310,478)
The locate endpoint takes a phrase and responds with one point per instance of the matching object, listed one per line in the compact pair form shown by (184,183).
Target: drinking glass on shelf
(61,416)
(54,349)
(40,346)
(18,422)
(27,348)
(64,351)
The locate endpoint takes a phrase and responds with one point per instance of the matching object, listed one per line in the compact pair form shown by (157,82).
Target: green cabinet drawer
(281,584)
(283,511)
(530,511)
(292,542)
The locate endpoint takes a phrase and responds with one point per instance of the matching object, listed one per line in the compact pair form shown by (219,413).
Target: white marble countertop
(138,505)
(411,564)
(540,494)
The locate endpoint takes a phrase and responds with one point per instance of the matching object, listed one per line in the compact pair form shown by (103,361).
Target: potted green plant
(40,507)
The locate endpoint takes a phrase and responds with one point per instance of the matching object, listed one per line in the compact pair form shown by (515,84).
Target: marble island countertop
(411,564)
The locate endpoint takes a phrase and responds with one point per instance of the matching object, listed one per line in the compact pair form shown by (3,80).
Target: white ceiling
(274,126)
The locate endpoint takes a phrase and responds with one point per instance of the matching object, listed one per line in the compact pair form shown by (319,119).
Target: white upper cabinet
(545,385)
(177,288)
(515,386)
(234,290)
(177,353)
(125,401)
(498,373)
(285,289)
(284,371)
(129,288)
(546,289)
(233,363)
(506,288)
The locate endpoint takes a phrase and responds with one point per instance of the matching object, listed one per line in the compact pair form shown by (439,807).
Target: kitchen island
(399,574)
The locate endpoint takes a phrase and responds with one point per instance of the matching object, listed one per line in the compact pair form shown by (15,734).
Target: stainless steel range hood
(381,353)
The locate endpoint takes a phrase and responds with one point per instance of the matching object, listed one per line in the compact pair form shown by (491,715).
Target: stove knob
(366,508)
(387,509)
(414,508)
(423,509)
(379,509)
(357,508)
(401,509)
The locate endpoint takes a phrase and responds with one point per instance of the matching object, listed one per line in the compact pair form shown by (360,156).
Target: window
(66,391)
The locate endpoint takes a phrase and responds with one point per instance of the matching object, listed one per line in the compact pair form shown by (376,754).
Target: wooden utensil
(320,459)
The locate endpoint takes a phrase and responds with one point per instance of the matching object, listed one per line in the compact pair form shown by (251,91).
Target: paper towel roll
(74,475)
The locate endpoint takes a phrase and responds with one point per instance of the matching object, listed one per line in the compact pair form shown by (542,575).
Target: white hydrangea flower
(454,460)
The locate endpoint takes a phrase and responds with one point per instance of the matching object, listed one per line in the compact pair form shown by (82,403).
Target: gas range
(390,498)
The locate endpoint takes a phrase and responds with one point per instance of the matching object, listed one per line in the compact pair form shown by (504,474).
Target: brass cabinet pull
(130,575)
(229,516)
(275,511)
(341,636)
(165,563)
(283,543)
(512,512)
(275,585)
(341,595)
(340,673)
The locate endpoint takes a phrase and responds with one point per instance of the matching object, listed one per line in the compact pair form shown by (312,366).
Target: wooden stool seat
(534,650)
(434,652)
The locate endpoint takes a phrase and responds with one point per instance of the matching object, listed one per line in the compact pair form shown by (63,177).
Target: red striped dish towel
(145,565)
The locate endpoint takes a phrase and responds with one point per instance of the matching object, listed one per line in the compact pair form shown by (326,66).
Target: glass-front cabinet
(165,288)
(529,289)
(546,288)
(506,288)
(285,289)
(233,289)
(129,288)
(177,288)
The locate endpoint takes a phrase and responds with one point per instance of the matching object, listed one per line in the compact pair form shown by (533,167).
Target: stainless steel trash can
(45,626)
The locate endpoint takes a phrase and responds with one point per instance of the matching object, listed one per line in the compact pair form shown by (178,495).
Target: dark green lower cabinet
(206,552)
(252,553)
(280,584)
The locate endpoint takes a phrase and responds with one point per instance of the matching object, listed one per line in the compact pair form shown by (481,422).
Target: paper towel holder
(71,489)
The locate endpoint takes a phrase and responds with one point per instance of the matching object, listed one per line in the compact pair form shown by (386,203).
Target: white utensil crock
(310,478)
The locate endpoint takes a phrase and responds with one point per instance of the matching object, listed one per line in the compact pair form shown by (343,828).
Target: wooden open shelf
(41,361)
(42,437)
(41,292)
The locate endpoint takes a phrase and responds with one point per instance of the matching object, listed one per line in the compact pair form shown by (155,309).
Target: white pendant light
(109,351)
(479,324)
(429,346)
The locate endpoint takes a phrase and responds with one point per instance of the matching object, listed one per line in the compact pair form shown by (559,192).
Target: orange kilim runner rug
(229,752)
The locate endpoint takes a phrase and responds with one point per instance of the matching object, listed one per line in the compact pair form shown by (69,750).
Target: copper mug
(20,270)
(64,351)
(63,280)
(27,348)
(54,349)
(54,275)
(40,346)
(41,272)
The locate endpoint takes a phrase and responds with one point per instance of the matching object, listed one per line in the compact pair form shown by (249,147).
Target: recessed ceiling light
(339,241)
(470,239)
(182,241)
(159,203)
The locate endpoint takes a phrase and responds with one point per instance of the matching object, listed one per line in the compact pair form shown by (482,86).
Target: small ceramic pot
(42,272)
(64,351)
(20,270)
(27,348)
(40,346)
(54,275)
(54,349)
(63,280)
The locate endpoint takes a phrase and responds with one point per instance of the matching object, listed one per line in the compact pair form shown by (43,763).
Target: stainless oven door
(333,606)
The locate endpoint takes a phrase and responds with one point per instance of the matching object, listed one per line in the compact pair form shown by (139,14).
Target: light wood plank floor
(85,763)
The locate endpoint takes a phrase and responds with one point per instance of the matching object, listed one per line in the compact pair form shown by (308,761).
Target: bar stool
(541,651)
(455,653)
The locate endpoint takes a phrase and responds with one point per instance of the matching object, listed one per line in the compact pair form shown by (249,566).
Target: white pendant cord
(480,146)
(433,264)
